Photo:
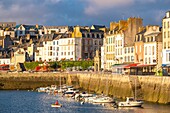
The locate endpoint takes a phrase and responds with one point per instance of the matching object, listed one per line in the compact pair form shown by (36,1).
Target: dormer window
(88,35)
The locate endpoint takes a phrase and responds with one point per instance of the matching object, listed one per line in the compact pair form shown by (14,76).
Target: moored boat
(103,100)
(56,106)
(131,102)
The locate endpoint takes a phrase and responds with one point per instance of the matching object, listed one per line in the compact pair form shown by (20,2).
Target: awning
(4,65)
(165,65)
(131,65)
(144,65)
(118,65)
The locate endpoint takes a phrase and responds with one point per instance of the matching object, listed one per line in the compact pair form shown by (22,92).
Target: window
(132,50)
(145,50)
(93,36)
(97,35)
(145,60)
(149,60)
(164,34)
(167,57)
(125,51)
(20,32)
(51,53)
(128,50)
(51,48)
(128,58)
(153,50)
(164,45)
(168,44)
(83,35)
(132,58)
(88,35)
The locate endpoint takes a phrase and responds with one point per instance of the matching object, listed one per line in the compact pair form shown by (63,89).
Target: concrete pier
(149,88)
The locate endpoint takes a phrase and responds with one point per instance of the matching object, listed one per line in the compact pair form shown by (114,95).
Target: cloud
(96,6)
(52,1)
(19,13)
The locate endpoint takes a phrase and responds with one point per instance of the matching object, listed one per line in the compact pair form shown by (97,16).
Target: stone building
(120,38)
(92,40)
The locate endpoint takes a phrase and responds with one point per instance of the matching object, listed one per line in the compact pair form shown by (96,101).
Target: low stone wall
(153,88)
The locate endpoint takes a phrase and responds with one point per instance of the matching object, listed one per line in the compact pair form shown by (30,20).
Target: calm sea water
(34,102)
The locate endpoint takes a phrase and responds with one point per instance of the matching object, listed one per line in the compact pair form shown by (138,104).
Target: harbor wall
(153,88)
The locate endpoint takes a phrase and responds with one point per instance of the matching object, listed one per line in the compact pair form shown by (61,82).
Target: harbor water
(33,102)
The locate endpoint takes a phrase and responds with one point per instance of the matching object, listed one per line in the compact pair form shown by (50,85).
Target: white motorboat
(130,102)
(56,106)
(84,94)
(90,99)
(43,89)
(103,100)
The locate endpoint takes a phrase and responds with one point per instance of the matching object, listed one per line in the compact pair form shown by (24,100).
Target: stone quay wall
(151,88)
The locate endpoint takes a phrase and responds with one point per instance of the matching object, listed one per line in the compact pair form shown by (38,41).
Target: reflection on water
(34,102)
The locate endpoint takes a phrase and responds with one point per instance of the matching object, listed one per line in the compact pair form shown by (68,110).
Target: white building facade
(70,48)
(166,39)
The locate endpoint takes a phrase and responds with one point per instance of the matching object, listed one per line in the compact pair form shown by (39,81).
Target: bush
(61,64)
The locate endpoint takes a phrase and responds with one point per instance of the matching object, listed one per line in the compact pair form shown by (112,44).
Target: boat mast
(60,82)
(135,89)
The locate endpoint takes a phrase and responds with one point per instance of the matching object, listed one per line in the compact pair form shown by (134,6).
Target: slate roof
(99,26)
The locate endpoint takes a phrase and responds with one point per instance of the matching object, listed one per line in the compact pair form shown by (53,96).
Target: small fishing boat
(131,102)
(56,106)
(103,100)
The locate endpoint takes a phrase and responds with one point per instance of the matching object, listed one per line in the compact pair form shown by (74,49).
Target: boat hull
(56,106)
(130,104)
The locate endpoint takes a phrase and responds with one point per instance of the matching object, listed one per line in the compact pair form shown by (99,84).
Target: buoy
(82,102)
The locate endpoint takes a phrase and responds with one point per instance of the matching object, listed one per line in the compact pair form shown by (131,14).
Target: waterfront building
(166,39)
(56,48)
(5,61)
(70,48)
(44,49)
(5,41)
(153,46)
(57,29)
(92,40)
(31,30)
(139,46)
(109,50)
(30,52)
(128,54)
(9,31)
(119,42)
(7,24)
(18,56)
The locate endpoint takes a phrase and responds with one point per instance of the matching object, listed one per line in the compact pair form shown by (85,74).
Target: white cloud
(52,1)
(17,12)
(95,6)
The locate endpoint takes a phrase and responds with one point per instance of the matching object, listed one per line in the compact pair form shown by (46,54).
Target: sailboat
(131,101)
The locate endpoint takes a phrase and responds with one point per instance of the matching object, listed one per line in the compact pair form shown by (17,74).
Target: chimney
(36,25)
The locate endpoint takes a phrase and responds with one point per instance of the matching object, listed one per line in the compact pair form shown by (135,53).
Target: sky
(82,12)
